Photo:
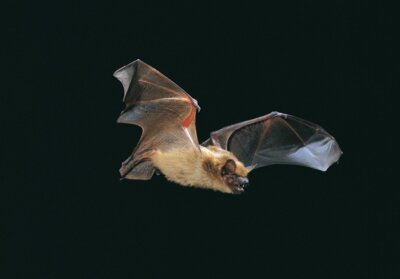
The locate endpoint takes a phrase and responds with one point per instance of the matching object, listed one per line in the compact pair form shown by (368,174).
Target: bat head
(230,173)
(234,175)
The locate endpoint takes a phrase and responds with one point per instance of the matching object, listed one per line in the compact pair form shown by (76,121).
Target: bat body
(169,144)
(199,167)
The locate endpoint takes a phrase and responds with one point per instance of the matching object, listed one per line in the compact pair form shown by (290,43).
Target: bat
(169,144)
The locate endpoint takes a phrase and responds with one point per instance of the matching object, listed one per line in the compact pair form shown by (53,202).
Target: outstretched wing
(278,138)
(164,111)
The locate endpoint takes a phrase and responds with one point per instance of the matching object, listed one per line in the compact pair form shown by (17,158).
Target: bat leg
(142,171)
(138,167)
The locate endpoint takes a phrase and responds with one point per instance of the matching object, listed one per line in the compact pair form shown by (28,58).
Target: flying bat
(169,144)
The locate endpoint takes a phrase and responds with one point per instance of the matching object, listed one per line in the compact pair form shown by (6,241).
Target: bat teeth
(237,189)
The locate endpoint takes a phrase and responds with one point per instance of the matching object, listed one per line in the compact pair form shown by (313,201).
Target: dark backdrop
(66,212)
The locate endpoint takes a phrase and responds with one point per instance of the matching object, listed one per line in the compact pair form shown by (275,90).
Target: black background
(66,214)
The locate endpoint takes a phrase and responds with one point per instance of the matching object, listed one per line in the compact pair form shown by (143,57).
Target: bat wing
(278,138)
(164,111)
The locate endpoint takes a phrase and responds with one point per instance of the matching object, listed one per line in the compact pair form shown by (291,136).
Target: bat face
(228,171)
(231,178)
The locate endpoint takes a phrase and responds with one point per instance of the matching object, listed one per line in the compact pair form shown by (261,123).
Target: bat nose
(244,181)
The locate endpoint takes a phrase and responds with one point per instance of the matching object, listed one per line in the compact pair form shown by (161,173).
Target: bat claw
(196,104)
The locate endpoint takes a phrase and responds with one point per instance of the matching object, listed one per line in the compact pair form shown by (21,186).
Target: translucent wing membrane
(278,138)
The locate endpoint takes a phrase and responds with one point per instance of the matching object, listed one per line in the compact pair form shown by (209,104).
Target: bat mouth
(239,185)
(237,189)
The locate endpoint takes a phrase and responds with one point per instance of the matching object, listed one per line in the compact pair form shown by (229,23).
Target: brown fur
(209,167)
(198,168)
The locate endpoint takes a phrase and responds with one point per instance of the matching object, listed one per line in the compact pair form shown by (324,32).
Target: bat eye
(224,171)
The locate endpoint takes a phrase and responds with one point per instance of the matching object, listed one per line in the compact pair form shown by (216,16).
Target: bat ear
(228,168)
(230,165)
(251,167)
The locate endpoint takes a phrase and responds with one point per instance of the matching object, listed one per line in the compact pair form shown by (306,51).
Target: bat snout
(238,184)
(243,182)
